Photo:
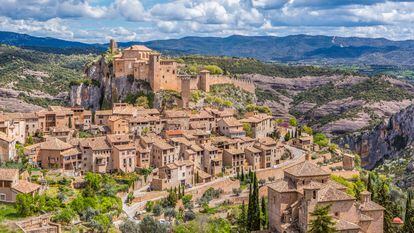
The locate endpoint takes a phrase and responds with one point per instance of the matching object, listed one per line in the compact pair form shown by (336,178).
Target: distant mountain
(295,48)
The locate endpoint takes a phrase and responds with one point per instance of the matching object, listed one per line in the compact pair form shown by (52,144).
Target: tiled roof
(342,225)
(128,146)
(96,143)
(163,145)
(282,186)
(139,48)
(24,186)
(53,143)
(72,151)
(175,114)
(306,168)
(253,150)
(8,173)
(234,151)
(370,206)
(5,137)
(114,138)
(329,193)
(231,121)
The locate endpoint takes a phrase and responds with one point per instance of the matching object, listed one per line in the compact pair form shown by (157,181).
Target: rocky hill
(31,79)
(392,139)
(335,104)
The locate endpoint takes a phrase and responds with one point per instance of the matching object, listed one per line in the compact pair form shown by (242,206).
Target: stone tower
(204,80)
(113,46)
(154,74)
(185,91)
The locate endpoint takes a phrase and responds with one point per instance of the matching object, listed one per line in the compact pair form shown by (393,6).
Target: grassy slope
(60,70)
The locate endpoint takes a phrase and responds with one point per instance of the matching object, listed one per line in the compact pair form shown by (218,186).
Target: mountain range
(289,49)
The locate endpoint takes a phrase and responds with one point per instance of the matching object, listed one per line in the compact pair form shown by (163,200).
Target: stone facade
(304,187)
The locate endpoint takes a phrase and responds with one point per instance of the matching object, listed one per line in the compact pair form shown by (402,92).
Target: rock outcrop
(104,89)
(386,141)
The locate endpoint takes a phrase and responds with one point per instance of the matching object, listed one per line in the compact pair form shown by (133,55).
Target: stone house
(145,124)
(123,157)
(162,154)
(11,185)
(55,116)
(304,187)
(7,148)
(118,125)
(261,124)
(53,153)
(176,120)
(231,127)
(174,174)
(102,117)
(234,159)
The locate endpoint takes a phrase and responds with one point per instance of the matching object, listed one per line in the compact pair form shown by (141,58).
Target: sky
(97,21)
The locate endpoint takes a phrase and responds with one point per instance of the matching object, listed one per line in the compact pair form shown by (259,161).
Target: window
(2,197)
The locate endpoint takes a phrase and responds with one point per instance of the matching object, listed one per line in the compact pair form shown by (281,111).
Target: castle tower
(113,46)
(153,73)
(185,91)
(204,80)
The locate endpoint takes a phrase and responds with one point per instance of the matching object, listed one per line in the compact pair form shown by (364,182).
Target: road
(130,210)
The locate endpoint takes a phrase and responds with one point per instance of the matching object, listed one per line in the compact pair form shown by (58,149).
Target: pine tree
(321,220)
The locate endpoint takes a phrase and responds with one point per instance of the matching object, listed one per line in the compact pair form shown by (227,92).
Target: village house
(144,124)
(231,127)
(162,154)
(96,154)
(306,186)
(118,125)
(55,153)
(102,117)
(212,159)
(234,159)
(304,142)
(176,120)
(7,148)
(123,157)
(11,185)
(202,120)
(82,118)
(55,116)
(173,175)
(271,151)
(261,124)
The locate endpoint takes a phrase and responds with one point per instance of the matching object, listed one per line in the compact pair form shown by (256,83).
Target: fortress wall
(194,83)
(244,84)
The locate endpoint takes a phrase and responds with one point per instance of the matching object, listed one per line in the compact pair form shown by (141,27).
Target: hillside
(295,48)
(29,78)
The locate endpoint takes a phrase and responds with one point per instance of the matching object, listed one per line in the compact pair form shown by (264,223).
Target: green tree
(213,69)
(248,129)
(65,215)
(287,136)
(293,122)
(70,122)
(150,225)
(253,212)
(307,130)
(320,139)
(242,219)
(129,226)
(321,221)
(142,101)
(409,214)
(101,223)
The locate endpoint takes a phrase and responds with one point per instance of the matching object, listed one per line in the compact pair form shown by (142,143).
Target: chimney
(308,156)
(365,196)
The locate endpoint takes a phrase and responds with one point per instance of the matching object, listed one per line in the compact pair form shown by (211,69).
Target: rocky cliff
(103,89)
(388,140)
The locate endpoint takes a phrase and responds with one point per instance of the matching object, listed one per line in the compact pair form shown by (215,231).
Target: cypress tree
(264,214)
(183,191)
(409,214)
(237,175)
(256,211)
(242,221)
(242,175)
(250,209)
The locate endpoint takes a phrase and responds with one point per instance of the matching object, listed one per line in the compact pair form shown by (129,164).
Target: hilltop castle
(142,63)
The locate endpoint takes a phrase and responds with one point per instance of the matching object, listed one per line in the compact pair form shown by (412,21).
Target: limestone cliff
(386,141)
(104,89)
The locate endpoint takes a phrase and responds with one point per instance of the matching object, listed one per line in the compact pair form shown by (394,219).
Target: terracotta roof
(397,220)
(181,140)
(282,186)
(200,115)
(202,174)
(253,150)
(139,48)
(234,151)
(231,121)
(96,143)
(370,206)
(103,112)
(144,118)
(306,168)
(24,186)
(72,151)
(329,193)
(114,138)
(8,174)
(342,225)
(53,143)
(364,218)
(175,114)
(129,146)
(5,137)
(174,132)
(163,145)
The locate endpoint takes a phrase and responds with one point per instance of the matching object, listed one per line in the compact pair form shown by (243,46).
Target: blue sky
(141,20)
